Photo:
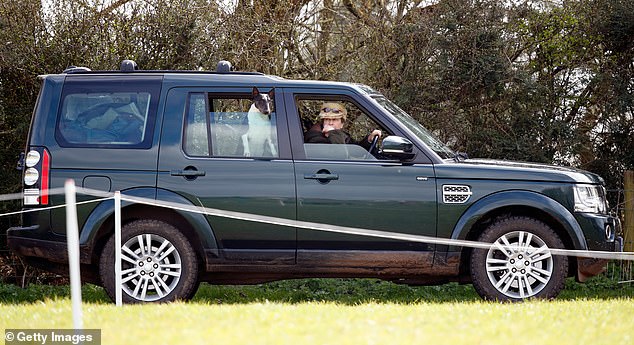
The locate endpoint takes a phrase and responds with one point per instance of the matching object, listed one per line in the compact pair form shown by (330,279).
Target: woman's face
(335,123)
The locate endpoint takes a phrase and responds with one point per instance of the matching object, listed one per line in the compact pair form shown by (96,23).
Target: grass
(337,311)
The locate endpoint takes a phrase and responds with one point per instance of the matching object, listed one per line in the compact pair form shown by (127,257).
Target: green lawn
(322,311)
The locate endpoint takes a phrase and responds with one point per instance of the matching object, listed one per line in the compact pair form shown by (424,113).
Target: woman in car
(329,130)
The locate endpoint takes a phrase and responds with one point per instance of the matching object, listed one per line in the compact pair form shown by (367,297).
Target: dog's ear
(272,93)
(255,91)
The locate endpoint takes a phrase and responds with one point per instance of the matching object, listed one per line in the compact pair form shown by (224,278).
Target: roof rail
(75,69)
(128,66)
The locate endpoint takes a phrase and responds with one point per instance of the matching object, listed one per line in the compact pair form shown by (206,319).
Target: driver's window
(341,124)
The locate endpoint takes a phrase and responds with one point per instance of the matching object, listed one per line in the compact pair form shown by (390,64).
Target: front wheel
(158,263)
(519,264)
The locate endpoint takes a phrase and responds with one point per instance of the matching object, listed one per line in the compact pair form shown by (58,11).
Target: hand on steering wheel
(373,145)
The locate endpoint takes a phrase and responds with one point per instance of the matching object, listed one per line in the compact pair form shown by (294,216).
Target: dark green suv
(180,136)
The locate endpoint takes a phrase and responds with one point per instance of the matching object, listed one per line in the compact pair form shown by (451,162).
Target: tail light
(36,176)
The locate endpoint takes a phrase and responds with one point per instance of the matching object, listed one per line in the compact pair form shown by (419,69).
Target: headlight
(590,199)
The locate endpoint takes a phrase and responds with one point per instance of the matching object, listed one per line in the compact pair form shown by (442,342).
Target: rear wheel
(519,264)
(158,263)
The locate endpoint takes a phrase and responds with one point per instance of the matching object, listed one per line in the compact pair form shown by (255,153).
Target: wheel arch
(100,224)
(518,203)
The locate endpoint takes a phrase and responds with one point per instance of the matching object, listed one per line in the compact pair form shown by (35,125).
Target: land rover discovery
(177,136)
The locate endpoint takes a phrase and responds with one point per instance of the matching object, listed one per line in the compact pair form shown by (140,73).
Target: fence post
(628,227)
(72,239)
(117,249)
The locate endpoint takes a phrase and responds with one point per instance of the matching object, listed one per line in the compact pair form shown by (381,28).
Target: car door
(201,158)
(341,186)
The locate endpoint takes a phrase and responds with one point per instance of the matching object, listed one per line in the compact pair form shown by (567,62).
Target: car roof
(225,77)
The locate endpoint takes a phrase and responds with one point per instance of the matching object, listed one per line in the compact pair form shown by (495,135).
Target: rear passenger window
(196,129)
(107,113)
(220,125)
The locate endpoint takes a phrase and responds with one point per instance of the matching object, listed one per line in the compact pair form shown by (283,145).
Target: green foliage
(523,80)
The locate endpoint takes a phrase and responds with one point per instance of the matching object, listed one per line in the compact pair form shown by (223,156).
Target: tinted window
(108,112)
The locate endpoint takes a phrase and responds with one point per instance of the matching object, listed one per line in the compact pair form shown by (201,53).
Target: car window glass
(226,126)
(356,127)
(104,118)
(197,127)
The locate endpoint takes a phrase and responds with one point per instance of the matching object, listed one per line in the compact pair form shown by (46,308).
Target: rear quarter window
(108,111)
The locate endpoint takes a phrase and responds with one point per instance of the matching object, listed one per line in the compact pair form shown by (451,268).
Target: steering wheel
(373,145)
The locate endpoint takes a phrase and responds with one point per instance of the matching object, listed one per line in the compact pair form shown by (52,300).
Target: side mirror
(396,147)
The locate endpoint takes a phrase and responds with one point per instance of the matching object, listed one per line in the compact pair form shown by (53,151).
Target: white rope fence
(301,224)
(72,233)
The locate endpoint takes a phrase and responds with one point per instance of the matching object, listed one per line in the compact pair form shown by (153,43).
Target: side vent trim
(455,194)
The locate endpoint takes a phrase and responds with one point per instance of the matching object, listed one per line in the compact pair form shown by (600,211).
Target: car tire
(527,271)
(163,271)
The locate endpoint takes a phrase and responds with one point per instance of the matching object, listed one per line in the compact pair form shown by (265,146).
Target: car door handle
(321,176)
(187,173)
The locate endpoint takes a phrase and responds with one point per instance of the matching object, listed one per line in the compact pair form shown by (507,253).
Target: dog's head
(263,101)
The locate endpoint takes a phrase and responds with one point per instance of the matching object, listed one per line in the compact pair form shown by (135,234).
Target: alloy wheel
(519,264)
(151,267)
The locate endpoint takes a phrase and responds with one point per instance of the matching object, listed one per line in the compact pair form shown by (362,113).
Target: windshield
(421,132)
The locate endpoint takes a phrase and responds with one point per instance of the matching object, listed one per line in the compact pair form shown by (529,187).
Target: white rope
(19,196)
(51,207)
(319,226)
(363,232)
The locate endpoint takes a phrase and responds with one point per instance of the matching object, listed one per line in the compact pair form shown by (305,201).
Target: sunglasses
(332,110)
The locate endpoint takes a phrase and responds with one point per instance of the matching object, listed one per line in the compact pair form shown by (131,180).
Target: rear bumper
(22,245)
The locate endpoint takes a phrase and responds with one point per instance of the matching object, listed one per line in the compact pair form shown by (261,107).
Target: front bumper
(590,267)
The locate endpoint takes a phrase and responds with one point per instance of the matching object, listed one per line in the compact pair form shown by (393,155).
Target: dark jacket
(337,136)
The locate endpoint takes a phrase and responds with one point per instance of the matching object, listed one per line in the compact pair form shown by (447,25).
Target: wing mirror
(396,147)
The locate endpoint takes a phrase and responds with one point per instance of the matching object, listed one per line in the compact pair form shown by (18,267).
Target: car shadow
(334,290)
(358,291)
